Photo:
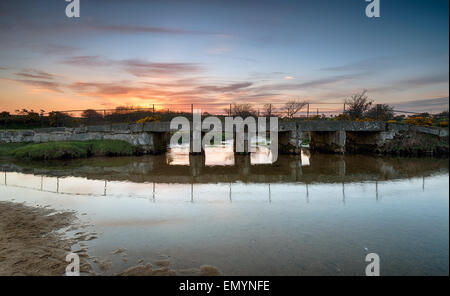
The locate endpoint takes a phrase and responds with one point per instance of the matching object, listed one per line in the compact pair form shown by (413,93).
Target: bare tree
(294,106)
(269,110)
(242,110)
(357,105)
(382,112)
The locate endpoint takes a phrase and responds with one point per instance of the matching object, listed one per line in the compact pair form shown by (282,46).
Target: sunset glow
(151,52)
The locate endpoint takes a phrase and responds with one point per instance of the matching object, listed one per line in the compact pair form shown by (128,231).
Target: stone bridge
(154,137)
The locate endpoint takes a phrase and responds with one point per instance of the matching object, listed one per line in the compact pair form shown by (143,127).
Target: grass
(7,148)
(67,149)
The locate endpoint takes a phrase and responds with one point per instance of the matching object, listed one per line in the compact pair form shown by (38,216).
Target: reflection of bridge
(150,172)
(153,186)
(287,169)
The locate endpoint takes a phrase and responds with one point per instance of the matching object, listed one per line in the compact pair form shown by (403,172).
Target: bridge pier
(202,146)
(329,141)
(247,143)
(160,142)
(243,162)
(196,164)
(295,167)
(289,142)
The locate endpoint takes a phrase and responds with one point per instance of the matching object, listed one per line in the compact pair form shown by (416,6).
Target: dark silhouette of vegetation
(242,110)
(380,112)
(292,107)
(357,105)
(269,110)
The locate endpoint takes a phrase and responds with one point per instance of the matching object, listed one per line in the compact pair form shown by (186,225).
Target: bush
(365,119)
(443,124)
(73,149)
(53,150)
(342,117)
(419,120)
(149,119)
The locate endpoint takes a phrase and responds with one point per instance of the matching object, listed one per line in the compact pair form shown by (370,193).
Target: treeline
(28,119)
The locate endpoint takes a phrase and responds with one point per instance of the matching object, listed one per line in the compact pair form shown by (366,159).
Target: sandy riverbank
(30,243)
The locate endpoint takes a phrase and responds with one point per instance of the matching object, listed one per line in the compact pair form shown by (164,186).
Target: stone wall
(150,142)
(326,136)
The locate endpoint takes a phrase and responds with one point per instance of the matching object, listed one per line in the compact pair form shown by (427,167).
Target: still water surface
(303,215)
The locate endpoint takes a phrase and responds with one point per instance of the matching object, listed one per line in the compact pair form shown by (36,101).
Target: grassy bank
(67,150)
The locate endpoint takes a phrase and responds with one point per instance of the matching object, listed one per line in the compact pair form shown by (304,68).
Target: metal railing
(165,112)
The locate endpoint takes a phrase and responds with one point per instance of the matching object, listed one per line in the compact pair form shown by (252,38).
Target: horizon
(142,53)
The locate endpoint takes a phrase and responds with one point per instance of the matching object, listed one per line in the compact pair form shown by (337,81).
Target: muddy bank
(30,243)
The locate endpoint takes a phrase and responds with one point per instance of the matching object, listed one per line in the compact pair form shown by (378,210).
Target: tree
(381,112)
(357,105)
(242,110)
(90,113)
(269,110)
(293,106)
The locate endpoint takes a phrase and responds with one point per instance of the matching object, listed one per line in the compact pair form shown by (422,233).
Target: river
(312,214)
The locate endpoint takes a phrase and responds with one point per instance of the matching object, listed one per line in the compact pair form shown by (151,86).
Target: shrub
(315,117)
(149,119)
(73,149)
(53,150)
(365,119)
(419,120)
(342,117)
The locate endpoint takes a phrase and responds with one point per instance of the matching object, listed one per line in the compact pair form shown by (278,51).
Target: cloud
(412,83)
(289,77)
(134,29)
(104,88)
(371,65)
(308,84)
(38,79)
(435,78)
(218,50)
(86,28)
(425,103)
(91,61)
(138,68)
(228,88)
(41,84)
(141,68)
(35,74)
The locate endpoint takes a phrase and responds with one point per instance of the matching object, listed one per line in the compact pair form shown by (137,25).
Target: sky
(209,53)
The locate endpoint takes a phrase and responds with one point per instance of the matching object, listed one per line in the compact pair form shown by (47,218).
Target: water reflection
(309,214)
(105,176)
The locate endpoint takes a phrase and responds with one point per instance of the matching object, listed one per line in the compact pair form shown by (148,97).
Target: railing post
(230,111)
(307,111)
(153,109)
